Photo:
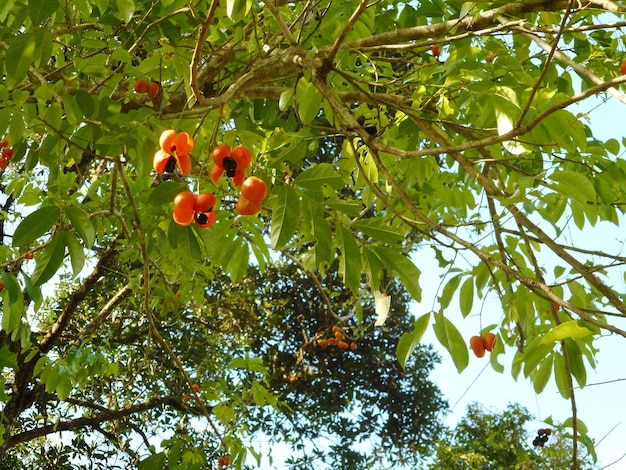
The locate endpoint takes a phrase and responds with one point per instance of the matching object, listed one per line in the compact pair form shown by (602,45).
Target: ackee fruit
(254,189)
(477,345)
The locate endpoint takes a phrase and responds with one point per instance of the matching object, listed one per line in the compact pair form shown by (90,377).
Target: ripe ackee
(140,86)
(175,149)
(234,162)
(246,207)
(254,189)
(190,208)
(477,345)
(436,50)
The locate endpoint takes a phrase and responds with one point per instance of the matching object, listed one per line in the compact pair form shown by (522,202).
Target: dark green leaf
(319,175)
(40,10)
(50,259)
(35,225)
(350,261)
(82,224)
(408,273)
(76,252)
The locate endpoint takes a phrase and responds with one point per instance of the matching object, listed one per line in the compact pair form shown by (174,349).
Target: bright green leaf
(569,329)
(350,261)
(82,224)
(410,340)
(451,339)
(466,296)
(285,204)
(408,273)
(318,175)
(40,10)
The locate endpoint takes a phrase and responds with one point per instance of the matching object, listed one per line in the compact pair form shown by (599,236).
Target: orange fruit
(246,207)
(184,210)
(153,89)
(476,343)
(254,189)
(141,86)
(489,341)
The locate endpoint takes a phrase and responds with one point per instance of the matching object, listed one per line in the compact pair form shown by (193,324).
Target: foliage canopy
(378,126)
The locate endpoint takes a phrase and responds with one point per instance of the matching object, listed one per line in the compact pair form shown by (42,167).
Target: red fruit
(242,158)
(153,89)
(196,388)
(7,154)
(186,397)
(353,346)
(163,162)
(342,345)
(184,210)
(622,67)
(184,163)
(476,343)
(548,431)
(489,341)
(29,255)
(219,155)
(491,57)
(1,286)
(3,163)
(166,140)
(4,143)
(245,207)
(141,86)
(205,215)
(183,144)
(254,189)
(223,461)
(436,50)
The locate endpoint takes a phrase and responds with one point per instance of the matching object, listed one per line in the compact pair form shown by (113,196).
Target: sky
(599,406)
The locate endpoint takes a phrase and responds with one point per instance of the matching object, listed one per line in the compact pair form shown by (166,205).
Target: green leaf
(285,204)
(76,252)
(85,102)
(237,264)
(7,358)
(126,9)
(309,100)
(560,376)
(165,192)
(40,10)
(19,56)
(82,224)
(152,462)
(410,340)
(575,186)
(64,386)
(184,239)
(541,376)
(350,261)
(466,296)
(319,175)
(450,338)
(408,273)
(449,290)
(379,230)
(35,225)
(569,329)
(50,259)
(576,364)
(236,10)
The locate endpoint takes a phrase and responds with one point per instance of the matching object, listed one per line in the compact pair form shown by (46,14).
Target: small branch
(353,19)
(197,53)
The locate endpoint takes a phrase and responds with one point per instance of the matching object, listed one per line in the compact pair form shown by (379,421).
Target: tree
(378,128)
(485,439)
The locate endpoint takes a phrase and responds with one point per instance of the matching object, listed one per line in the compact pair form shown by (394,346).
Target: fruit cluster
(223,461)
(480,344)
(7,154)
(338,339)
(174,152)
(542,437)
(151,88)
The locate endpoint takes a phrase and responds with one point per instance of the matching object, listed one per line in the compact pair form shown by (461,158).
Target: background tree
(485,439)
(378,127)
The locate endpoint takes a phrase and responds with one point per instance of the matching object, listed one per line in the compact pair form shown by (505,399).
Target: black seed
(170,165)
(230,165)
(202,218)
